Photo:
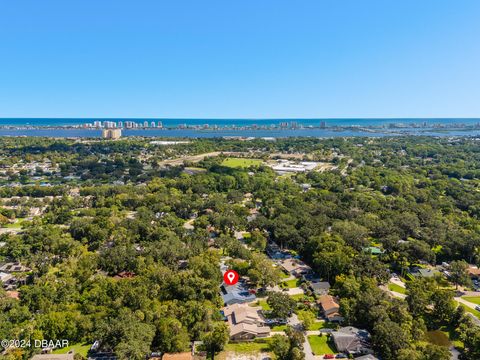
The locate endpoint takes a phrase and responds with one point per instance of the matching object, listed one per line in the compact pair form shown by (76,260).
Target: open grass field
(472,299)
(241,163)
(320,345)
(396,288)
(81,349)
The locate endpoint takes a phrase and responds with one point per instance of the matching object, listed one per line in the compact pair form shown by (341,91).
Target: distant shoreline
(239,128)
(243,133)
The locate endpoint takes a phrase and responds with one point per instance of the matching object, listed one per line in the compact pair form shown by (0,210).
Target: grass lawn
(321,325)
(470,310)
(279,328)
(16,225)
(320,345)
(375,243)
(249,347)
(81,349)
(301,297)
(396,288)
(241,163)
(290,283)
(263,304)
(284,275)
(472,299)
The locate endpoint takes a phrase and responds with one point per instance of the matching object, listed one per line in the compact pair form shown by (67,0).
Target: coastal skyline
(239,128)
(316,59)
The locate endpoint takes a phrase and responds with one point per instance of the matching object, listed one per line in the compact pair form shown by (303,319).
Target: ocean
(61,127)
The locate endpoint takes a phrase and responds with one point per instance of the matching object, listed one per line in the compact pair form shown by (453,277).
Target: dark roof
(321,285)
(351,340)
(416,271)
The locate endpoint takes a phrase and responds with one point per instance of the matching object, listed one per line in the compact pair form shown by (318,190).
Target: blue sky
(237,59)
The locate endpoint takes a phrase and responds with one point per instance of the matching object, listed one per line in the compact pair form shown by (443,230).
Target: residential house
(296,267)
(4,277)
(330,308)
(474,272)
(245,322)
(421,272)
(236,294)
(352,341)
(275,253)
(8,281)
(319,287)
(13,267)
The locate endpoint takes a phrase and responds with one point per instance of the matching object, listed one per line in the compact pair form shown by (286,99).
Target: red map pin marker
(230,277)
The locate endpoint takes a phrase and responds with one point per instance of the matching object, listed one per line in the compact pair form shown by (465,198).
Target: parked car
(329,356)
(477,307)
(341,356)
(277,321)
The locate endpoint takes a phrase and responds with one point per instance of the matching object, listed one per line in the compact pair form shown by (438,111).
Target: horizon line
(246,118)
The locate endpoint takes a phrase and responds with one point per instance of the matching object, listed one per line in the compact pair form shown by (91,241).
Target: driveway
(397,281)
(307,349)
(455,353)
(465,302)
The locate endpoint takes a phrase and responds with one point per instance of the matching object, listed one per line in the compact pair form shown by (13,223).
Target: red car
(329,356)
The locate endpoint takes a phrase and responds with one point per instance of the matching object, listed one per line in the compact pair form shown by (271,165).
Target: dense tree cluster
(116,260)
